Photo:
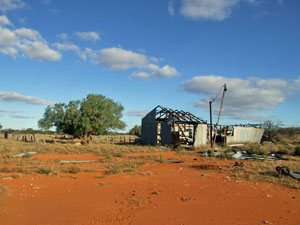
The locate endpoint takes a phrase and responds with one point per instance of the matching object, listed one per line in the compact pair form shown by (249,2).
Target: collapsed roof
(170,115)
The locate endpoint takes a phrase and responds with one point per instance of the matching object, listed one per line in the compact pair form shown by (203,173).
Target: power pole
(220,111)
(212,140)
(210,131)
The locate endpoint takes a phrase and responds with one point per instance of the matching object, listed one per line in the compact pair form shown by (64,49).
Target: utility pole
(210,131)
(212,140)
(220,111)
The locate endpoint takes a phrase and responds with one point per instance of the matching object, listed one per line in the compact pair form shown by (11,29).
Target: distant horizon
(173,53)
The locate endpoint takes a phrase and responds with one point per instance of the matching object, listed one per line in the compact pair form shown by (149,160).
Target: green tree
(53,116)
(0,126)
(71,118)
(94,115)
(136,130)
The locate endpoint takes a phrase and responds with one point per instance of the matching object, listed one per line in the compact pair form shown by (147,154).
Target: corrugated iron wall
(200,135)
(245,134)
(149,129)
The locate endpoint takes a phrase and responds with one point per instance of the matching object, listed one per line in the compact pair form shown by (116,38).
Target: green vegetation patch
(123,167)
(71,169)
(12,170)
(297,151)
(45,170)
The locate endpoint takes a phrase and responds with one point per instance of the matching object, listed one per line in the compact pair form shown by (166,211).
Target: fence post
(5,135)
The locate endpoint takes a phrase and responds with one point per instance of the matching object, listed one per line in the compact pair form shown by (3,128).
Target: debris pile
(285,171)
(242,155)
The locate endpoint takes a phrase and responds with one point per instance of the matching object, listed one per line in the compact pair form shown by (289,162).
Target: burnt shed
(164,126)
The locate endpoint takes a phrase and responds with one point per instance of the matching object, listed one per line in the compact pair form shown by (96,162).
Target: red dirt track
(166,193)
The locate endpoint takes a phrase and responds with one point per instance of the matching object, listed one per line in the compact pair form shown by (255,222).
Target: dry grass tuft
(12,170)
(123,167)
(45,170)
(71,169)
(265,171)
(9,148)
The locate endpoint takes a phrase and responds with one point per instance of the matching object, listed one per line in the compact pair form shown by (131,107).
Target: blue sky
(143,53)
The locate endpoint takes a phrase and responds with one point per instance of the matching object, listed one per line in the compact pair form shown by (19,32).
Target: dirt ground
(192,190)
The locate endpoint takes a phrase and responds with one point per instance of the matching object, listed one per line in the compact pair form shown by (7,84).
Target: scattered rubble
(242,155)
(245,155)
(285,171)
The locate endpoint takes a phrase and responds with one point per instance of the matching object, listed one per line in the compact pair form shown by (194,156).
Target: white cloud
(26,42)
(141,74)
(207,9)
(45,2)
(171,9)
(14,114)
(244,97)
(253,2)
(21,117)
(296,84)
(7,41)
(137,113)
(67,47)
(39,51)
(121,59)
(4,20)
(117,58)
(63,36)
(16,97)
(21,20)
(155,71)
(7,37)
(29,34)
(215,10)
(6,111)
(168,71)
(9,5)
(88,36)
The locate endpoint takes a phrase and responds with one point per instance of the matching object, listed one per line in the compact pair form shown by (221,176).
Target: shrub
(136,130)
(12,170)
(45,170)
(123,167)
(297,151)
(255,149)
(118,154)
(74,169)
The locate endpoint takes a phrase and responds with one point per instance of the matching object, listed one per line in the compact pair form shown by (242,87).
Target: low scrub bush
(123,167)
(297,151)
(12,170)
(118,154)
(255,149)
(45,170)
(74,170)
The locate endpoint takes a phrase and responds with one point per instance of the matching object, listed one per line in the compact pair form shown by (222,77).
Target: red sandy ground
(167,193)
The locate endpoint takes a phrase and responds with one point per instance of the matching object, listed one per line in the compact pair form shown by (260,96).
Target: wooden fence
(64,138)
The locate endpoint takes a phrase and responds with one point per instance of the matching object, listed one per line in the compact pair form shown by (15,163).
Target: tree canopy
(94,115)
(0,126)
(136,130)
